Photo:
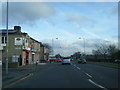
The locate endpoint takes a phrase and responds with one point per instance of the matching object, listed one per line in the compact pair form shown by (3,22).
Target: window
(15,58)
(4,39)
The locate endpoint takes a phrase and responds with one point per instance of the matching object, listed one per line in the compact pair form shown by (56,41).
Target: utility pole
(52,47)
(84,43)
(7,40)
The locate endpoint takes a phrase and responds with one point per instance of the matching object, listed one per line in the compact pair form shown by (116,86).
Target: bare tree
(76,55)
(48,46)
(112,50)
(102,49)
(96,53)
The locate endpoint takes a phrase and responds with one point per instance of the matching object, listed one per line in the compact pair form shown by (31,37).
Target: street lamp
(57,50)
(84,43)
(53,46)
(7,40)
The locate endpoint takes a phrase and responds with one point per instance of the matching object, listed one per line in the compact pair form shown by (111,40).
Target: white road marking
(78,68)
(97,84)
(88,75)
(75,65)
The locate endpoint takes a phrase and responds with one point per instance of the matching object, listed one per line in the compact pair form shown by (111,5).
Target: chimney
(18,29)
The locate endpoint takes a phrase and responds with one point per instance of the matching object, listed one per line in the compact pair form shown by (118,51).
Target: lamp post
(57,50)
(7,40)
(84,43)
(53,46)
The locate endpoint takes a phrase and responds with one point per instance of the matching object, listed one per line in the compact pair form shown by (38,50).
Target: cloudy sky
(71,22)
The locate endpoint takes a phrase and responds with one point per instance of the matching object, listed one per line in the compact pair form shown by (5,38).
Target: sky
(69,24)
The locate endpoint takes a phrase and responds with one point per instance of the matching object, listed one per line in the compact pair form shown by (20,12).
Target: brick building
(22,49)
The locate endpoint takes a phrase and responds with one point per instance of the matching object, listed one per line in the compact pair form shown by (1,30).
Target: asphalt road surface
(75,75)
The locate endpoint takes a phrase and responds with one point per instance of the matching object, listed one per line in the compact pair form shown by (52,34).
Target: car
(71,59)
(51,60)
(82,60)
(0,62)
(117,61)
(59,60)
(66,60)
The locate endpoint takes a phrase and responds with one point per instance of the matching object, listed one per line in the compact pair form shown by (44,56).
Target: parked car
(82,60)
(117,61)
(66,60)
(51,60)
(0,62)
(71,59)
(59,60)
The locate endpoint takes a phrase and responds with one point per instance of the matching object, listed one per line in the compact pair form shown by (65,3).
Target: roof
(9,31)
(35,40)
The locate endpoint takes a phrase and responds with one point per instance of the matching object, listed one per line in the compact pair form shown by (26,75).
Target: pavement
(15,74)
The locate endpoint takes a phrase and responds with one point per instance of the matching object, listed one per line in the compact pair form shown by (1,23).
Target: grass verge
(108,64)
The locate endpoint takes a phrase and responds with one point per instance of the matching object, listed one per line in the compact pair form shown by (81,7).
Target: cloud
(90,33)
(115,9)
(76,17)
(28,12)
(79,20)
(0,14)
(62,47)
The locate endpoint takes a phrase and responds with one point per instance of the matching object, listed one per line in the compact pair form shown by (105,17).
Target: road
(75,75)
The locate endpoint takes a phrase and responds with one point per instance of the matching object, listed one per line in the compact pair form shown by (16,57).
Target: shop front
(27,53)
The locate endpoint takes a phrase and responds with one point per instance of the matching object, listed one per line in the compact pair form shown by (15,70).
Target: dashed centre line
(91,80)
(78,68)
(97,84)
(84,72)
(88,75)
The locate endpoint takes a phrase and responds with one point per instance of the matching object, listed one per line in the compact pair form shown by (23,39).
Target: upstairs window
(4,39)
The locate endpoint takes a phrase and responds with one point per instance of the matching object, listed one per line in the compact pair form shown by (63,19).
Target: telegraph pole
(7,40)
(52,47)
(84,45)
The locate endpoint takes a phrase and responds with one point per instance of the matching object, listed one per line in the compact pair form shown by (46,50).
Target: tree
(112,50)
(117,54)
(96,53)
(58,56)
(105,51)
(76,55)
(102,49)
(48,46)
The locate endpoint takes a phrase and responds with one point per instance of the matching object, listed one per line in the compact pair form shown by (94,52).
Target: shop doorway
(27,58)
(20,60)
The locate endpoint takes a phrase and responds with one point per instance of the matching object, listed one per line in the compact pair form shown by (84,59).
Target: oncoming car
(66,60)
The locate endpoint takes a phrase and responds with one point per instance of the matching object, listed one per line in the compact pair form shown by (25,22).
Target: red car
(58,60)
